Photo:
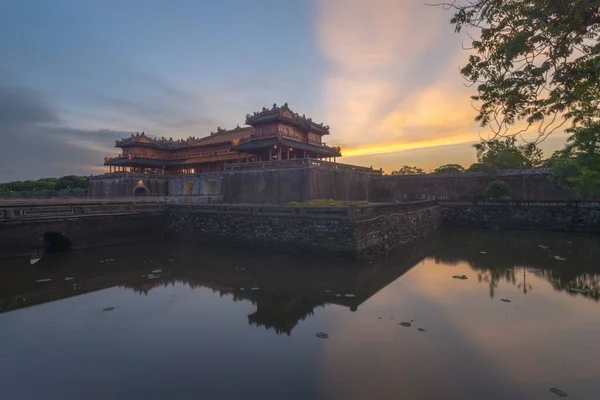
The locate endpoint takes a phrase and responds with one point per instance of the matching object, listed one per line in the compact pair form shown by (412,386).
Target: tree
(497,189)
(505,154)
(449,168)
(72,182)
(578,164)
(534,60)
(66,182)
(478,167)
(408,170)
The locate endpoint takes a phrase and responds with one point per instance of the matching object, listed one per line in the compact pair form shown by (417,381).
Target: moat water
(188,321)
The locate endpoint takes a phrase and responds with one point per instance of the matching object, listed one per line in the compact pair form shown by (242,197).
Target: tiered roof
(285,114)
(220,136)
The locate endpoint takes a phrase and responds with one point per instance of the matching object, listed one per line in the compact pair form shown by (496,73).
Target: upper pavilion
(272,134)
(280,134)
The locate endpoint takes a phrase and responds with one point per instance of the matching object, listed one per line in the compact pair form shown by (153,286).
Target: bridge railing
(194,199)
(198,203)
(129,175)
(16,211)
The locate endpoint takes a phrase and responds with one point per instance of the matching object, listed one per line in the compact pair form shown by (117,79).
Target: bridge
(32,226)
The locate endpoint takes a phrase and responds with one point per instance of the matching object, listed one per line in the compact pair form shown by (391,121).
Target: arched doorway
(141,191)
(56,241)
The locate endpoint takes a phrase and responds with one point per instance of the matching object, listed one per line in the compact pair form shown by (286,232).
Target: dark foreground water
(184,321)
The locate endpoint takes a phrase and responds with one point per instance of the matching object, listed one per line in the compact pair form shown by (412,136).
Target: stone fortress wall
(274,184)
(352,231)
(523,185)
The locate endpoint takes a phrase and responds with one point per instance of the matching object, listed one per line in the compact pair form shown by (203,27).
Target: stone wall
(384,232)
(272,228)
(339,184)
(553,216)
(523,185)
(280,186)
(345,231)
(206,184)
(116,186)
(271,186)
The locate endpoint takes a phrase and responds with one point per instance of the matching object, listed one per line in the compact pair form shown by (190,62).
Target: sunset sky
(77,74)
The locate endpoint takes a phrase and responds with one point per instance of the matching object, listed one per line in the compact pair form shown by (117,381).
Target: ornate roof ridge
(221,130)
(173,143)
(301,119)
(143,138)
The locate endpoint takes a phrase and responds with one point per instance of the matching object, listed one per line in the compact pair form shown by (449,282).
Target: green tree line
(64,183)
(577,166)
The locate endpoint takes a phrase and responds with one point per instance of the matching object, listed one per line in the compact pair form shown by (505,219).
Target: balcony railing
(130,175)
(280,136)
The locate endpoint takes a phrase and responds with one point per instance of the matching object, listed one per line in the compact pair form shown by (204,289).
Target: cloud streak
(393,82)
(39,144)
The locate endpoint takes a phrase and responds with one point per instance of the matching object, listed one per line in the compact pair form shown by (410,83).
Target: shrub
(497,189)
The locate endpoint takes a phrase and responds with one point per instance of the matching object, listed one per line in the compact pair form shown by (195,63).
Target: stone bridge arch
(141,191)
(22,237)
(56,241)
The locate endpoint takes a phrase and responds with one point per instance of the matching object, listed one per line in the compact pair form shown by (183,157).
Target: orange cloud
(372,100)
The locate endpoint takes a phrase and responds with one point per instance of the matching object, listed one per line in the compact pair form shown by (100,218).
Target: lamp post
(523,184)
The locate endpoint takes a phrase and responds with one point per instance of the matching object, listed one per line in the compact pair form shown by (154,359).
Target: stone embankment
(353,231)
(566,216)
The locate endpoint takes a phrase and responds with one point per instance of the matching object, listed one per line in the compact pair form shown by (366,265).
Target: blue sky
(77,74)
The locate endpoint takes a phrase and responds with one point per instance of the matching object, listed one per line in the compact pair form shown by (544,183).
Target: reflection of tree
(589,282)
(503,256)
(493,276)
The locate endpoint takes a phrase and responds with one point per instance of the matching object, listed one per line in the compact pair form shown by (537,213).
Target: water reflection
(287,288)
(284,288)
(567,261)
(179,320)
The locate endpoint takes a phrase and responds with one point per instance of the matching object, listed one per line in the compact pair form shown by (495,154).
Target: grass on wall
(327,203)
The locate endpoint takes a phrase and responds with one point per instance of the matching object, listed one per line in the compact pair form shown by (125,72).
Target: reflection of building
(273,134)
(290,288)
(281,312)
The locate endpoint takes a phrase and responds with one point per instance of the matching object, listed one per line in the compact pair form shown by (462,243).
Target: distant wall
(274,186)
(280,186)
(523,185)
(283,185)
(553,216)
